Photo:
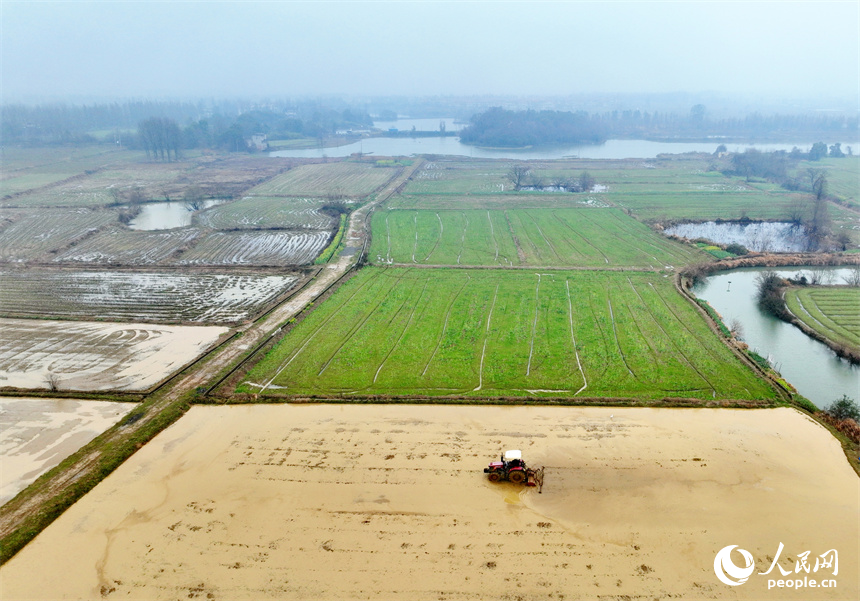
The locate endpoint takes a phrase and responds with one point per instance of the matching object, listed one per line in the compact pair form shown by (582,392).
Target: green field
(480,333)
(683,187)
(832,312)
(526,237)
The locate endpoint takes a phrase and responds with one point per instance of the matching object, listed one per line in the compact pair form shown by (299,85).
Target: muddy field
(37,434)
(389,502)
(74,355)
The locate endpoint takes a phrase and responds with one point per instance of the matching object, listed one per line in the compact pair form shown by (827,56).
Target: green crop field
(513,200)
(832,312)
(654,190)
(347,179)
(546,237)
(491,333)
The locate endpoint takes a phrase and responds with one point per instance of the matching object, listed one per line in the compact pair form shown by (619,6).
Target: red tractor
(513,468)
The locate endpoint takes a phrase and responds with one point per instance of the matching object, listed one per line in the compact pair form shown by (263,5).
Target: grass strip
(112,447)
(335,242)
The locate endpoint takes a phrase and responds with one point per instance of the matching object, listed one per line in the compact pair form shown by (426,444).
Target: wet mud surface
(386,501)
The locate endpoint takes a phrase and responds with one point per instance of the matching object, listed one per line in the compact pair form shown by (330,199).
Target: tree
(853,277)
(818,151)
(844,408)
(517,175)
(819,226)
(193,198)
(697,115)
(836,151)
(586,181)
(160,136)
(720,149)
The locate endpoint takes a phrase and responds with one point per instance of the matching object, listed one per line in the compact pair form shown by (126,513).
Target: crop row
(126,296)
(25,235)
(96,356)
(268,212)
(550,237)
(345,179)
(499,333)
(833,312)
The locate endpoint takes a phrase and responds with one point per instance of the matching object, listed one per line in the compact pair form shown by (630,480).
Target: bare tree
(797,211)
(193,198)
(53,381)
(736,328)
(517,175)
(853,277)
(586,181)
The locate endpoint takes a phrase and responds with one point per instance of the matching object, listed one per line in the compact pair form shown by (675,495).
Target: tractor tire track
(406,327)
(583,238)
(359,325)
(486,338)
(534,326)
(435,246)
(573,339)
(617,342)
(283,366)
(445,327)
(672,338)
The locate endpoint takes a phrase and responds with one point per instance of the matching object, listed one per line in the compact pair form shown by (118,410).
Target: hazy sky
(285,48)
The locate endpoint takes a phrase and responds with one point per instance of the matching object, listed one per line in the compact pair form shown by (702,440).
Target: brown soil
(389,502)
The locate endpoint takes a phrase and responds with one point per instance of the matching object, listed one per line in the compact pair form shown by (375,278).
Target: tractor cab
(513,458)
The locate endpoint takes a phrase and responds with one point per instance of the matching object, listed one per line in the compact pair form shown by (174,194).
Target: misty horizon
(755,53)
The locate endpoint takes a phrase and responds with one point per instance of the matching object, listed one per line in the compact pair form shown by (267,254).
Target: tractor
(512,468)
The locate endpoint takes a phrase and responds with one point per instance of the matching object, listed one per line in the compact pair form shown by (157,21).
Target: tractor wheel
(494,477)
(517,477)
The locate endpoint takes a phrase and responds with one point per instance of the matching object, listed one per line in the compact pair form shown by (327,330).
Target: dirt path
(54,494)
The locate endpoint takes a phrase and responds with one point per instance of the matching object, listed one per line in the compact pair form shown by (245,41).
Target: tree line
(500,127)
(222,124)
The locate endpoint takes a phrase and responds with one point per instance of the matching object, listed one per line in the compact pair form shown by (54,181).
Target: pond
(167,215)
(755,236)
(810,366)
(611,149)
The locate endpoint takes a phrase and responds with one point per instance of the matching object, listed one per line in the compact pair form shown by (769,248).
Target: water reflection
(758,237)
(810,366)
(611,149)
(168,215)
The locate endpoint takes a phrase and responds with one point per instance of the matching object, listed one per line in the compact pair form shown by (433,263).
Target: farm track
(33,509)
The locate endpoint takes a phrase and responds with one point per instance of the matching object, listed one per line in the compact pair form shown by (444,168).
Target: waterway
(811,367)
(611,149)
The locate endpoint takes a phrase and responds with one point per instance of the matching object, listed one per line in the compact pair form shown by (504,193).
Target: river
(611,149)
(811,367)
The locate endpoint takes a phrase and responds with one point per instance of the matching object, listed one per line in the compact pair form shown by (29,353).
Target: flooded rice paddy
(385,502)
(96,355)
(37,434)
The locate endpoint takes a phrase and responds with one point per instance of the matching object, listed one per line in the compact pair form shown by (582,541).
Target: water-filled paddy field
(39,433)
(385,502)
(96,355)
